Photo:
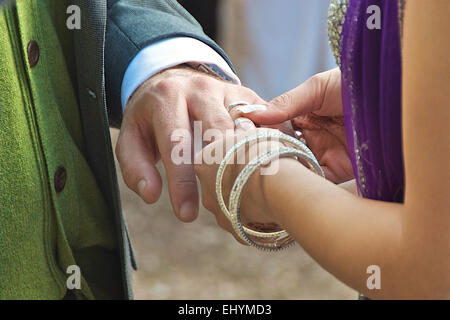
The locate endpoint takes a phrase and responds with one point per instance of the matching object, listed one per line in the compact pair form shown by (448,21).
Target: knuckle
(128,133)
(127,176)
(316,79)
(222,122)
(283,100)
(203,83)
(180,183)
(167,86)
(319,78)
(318,83)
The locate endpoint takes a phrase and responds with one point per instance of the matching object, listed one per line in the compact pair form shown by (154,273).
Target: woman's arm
(342,232)
(426,132)
(346,234)
(410,242)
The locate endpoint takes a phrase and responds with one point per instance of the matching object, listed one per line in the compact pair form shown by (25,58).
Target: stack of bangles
(269,241)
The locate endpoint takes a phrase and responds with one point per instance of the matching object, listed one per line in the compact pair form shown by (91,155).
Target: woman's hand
(315,107)
(253,209)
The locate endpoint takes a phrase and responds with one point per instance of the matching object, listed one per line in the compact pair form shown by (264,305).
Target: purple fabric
(371,92)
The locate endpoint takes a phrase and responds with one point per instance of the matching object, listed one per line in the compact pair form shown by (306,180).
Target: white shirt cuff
(165,54)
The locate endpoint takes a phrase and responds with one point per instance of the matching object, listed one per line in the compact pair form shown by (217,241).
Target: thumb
(301,100)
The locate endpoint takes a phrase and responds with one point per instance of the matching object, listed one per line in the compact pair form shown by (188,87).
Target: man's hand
(168,101)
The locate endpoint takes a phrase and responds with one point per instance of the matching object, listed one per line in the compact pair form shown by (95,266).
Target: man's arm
(132,26)
(165,103)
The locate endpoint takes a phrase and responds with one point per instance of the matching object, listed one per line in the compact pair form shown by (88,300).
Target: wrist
(210,70)
(162,80)
(272,186)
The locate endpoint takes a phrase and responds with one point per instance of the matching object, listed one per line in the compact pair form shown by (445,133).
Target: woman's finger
(307,97)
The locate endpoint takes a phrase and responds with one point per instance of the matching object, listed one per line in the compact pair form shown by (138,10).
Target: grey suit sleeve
(131,26)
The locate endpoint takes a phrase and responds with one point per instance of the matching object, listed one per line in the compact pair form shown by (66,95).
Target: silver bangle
(313,164)
(223,165)
(281,241)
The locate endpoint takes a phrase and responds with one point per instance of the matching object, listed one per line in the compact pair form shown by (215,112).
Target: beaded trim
(336,19)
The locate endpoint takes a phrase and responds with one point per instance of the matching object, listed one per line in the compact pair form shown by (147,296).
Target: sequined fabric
(401,14)
(336,19)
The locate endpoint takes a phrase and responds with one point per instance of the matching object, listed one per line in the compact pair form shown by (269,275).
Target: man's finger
(137,161)
(243,124)
(174,139)
(213,111)
(212,114)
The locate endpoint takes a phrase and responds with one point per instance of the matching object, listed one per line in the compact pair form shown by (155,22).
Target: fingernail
(188,211)
(141,187)
(251,108)
(244,124)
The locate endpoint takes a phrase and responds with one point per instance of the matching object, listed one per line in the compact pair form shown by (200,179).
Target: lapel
(89,52)
(89,43)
